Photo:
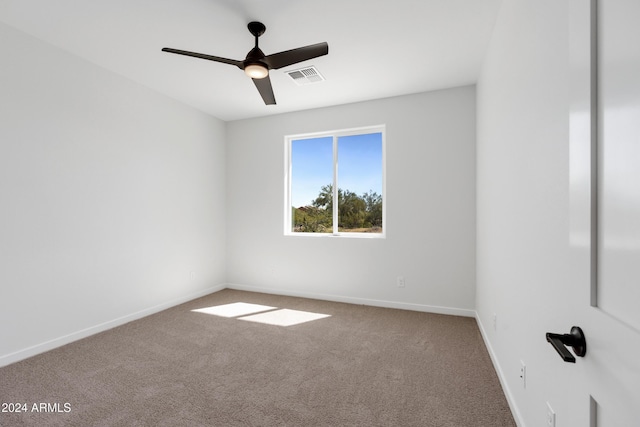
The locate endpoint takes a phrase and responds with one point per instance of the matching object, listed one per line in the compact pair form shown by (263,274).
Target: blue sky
(359,165)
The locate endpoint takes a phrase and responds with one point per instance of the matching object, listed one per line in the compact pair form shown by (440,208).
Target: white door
(605,195)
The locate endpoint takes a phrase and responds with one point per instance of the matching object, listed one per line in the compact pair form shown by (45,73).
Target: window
(345,166)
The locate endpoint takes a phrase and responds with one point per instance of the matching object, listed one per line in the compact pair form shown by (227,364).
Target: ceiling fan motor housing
(255,56)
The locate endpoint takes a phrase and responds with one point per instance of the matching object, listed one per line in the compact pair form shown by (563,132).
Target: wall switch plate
(523,374)
(551,416)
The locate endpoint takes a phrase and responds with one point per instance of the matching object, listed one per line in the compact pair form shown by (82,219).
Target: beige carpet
(361,366)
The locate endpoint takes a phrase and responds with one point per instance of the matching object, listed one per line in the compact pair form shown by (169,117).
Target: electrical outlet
(400,282)
(495,322)
(551,416)
(523,374)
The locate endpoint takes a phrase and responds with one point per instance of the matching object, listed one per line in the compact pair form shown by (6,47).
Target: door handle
(575,339)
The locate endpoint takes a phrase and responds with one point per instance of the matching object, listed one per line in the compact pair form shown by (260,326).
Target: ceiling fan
(257,65)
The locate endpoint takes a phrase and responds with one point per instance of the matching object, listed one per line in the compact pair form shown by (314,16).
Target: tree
(325,198)
(374,208)
(310,219)
(353,211)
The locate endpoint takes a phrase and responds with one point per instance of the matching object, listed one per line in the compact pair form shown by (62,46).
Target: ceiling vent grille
(306,76)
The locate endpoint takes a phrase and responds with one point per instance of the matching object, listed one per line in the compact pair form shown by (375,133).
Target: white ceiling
(377,48)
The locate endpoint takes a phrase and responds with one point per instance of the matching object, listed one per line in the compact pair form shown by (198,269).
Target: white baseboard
(75,336)
(66,339)
(355,300)
(505,387)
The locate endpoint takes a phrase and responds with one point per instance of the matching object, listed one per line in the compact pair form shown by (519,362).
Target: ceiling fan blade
(293,56)
(238,64)
(265,89)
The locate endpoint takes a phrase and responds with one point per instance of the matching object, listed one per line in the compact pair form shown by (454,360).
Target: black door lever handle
(575,339)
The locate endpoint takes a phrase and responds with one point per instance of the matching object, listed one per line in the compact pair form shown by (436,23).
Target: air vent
(306,76)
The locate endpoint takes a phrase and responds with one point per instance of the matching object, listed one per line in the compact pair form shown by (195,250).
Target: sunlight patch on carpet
(284,317)
(234,309)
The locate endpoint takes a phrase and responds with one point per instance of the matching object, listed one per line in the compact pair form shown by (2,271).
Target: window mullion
(335,184)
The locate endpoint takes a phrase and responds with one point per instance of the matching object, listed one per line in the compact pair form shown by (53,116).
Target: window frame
(335,134)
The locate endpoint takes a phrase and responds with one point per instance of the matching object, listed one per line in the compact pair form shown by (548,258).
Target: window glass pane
(311,185)
(360,183)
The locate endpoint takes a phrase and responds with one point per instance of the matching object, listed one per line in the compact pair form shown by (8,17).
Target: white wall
(524,271)
(111,195)
(430,225)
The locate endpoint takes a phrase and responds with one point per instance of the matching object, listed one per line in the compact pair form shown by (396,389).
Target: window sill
(339,235)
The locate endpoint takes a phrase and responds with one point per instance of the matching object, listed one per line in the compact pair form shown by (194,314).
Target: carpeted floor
(362,366)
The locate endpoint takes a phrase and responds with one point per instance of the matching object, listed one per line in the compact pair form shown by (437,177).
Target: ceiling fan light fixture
(256,71)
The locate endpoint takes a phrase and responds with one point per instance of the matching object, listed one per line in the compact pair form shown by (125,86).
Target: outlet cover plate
(551,416)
